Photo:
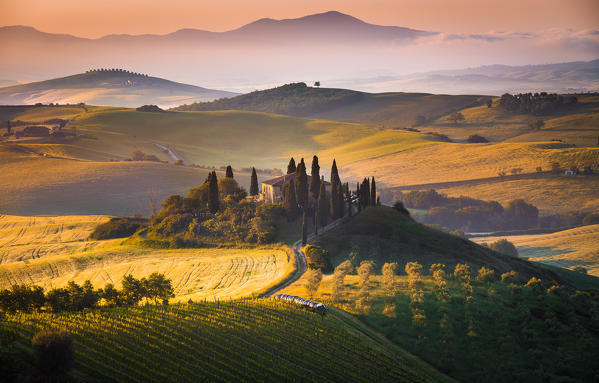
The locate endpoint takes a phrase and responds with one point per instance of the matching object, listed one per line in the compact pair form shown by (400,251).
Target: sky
(96,18)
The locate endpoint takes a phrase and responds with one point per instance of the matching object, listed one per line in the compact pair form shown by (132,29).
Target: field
(227,341)
(50,251)
(568,248)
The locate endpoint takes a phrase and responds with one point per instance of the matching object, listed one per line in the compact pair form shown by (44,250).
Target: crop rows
(218,341)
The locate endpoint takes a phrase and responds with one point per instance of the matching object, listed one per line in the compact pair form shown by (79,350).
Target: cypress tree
(229,172)
(334,172)
(301,185)
(254,183)
(304,228)
(373,192)
(333,205)
(315,179)
(323,205)
(213,202)
(291,167)
(290,200)
(316,222)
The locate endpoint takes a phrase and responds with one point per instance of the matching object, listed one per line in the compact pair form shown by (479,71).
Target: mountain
(300,100)
(567,77)
(258,52)
(115,87)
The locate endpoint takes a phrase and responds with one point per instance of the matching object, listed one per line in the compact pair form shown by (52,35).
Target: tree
(254,183)
(229,172)
(456,117)
(313,279)
(304,228)
(365,193)
(213,197)
(291,168)
(390,270)
(132,290)
(489,103)
(8,127)
(485,275)
(336,206)
(463,275)
(229,187)
(505,247)
(365,271)
(323,206)
(290,201)
(520,215)
(476,139)
(437,271)
(53,351)
(315,179)
(373,192)
(157,286)
(339,274)
(317,84)
(301,185)
(111,296)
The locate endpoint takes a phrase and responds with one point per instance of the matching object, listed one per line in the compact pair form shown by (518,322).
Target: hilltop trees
(373,198)
(365,193)
(337,202)
(290,200)
(301,185)
(254,183)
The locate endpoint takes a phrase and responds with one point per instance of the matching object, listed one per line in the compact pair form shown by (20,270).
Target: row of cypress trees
(366,192)
(312,198)
(213,192)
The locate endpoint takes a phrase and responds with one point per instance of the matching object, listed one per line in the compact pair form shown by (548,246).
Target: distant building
(272,190)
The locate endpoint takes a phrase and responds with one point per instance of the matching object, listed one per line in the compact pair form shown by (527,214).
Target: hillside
(227,341)
(395,109)
(567,248)
(115,87)
(51,251)
(384,235)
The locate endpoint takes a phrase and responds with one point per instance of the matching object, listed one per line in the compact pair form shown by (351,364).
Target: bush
(149,108)
(510,277)
(476,139)
(120,227)
(318,258)
(400,208)
(505,247)
(53,352)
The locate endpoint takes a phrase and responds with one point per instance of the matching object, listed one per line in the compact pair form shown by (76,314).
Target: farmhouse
(272,190)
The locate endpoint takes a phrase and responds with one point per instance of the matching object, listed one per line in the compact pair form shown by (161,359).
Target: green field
(256,340)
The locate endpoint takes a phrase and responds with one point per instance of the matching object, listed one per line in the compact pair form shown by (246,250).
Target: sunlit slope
(568,248)
(29,238)
(251,340)
(33,184)
(556,194)
(577,124)
(446,162)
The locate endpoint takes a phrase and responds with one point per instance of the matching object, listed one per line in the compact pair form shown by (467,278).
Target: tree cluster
(74,297)
(537,104)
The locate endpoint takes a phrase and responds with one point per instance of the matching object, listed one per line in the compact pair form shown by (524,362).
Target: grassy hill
(391,109)
(51,251)
(108,87)
(568,248)
(384,235)
(255,340)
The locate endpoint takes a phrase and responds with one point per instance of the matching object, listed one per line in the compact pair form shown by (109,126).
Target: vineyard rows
(248,340)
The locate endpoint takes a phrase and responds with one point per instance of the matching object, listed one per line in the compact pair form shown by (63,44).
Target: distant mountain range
(108,87)
(570,77)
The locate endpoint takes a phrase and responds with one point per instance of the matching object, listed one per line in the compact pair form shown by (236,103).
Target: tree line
(73,297)
(537,104)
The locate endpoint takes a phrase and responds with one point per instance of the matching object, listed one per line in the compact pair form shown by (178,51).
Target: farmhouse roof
(280,181)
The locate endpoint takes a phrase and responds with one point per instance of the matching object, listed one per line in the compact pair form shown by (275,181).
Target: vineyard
(249,340)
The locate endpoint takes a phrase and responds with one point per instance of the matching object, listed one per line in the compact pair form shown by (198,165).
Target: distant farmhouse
(272,190)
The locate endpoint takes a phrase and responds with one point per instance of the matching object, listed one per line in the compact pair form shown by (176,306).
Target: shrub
(117,228)
(53,351)
(149,108)
(313,279)
(510,277)
(476,139)
(173,224)
(318,258)
(485,275)
(505,247)
(400,208)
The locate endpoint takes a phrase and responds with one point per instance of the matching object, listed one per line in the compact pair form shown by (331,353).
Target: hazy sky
(95,18)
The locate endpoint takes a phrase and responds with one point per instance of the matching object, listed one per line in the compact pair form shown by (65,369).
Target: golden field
(568,248)
(50,251)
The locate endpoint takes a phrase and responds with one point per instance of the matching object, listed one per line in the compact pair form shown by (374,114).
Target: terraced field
(50,251)
(568,248)
(251,340)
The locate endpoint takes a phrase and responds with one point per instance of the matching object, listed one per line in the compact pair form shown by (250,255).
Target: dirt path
(168,150)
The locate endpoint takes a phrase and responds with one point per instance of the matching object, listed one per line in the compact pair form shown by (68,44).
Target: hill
(51,251)
(247,340)
(301,100)
(567,248)
(112,87)
(383,235)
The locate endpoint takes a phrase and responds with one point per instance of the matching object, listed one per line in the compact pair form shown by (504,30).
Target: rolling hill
(250,340)
(115,87)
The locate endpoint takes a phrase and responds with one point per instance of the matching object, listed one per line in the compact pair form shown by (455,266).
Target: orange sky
(95,18)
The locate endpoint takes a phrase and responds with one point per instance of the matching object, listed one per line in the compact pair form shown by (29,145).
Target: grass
(50,251)
(251,340)
(550,195)
(567,249)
